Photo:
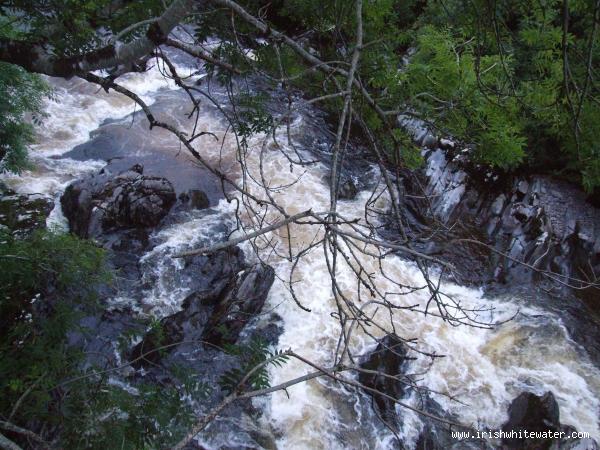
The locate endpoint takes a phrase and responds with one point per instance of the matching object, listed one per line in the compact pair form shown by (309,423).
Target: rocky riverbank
(124,212)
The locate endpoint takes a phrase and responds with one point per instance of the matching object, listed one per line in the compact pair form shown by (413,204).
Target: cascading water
(485,369)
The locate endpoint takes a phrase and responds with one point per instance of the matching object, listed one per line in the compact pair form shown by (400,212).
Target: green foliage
(49,281)
(252,355)
(444,85)
(505,79)
(524,92)
(251,116)
(144,416)
(48,262)
(69,26)
(44,278)
(21,93)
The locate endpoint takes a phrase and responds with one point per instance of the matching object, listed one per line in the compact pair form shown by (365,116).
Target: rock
(208,277)
(22,213)
(198,199)
(523,188)
(429,140)
(579,444)
(389,358)
(446,144)
(539,414)
(243,299)
(223,301)
(498,205)
(347,189)
(532,413)
(102,202)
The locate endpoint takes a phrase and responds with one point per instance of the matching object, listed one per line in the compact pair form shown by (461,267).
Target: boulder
(244,298)
(104,201)
(225,297)
(209,277)
(198,199)
(532,413)
(389,358)
(347,189)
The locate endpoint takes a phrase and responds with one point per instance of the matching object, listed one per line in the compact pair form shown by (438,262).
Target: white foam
(76,109)
(486,369)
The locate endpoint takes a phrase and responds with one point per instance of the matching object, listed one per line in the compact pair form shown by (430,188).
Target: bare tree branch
(35,58)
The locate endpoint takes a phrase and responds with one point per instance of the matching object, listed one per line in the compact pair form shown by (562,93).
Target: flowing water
(485,368)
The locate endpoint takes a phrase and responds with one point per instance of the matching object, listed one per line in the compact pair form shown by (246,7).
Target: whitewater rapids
(485,369)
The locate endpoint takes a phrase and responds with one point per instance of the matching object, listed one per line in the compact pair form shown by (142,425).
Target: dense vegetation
(513,80)
(49,282)
(53,394)
(20,93)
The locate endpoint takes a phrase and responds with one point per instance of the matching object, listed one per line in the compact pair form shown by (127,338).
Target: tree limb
(35,58)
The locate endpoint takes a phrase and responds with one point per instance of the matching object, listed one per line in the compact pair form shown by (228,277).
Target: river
(486,369)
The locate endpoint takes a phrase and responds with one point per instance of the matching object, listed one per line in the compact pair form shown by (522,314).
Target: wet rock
(347,189)
(534,414)
(105,201)
(22,213)
(429,140)
(389,358)
(224,300)
(198,199)
(523,188)
(243,299)
(579,444)
(208,278)
(540,414)
(541,221)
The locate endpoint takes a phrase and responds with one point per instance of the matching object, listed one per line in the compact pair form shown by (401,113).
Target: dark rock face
(347,189)
(243,299)
(23,213)
(532,413)
(209,277)
(540,221)
(389,358)
(222,303)
(539,414)
(543,222)
(104,202)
